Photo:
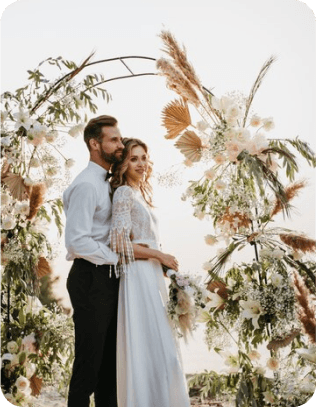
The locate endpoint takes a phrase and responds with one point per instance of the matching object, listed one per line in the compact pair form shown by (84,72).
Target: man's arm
(80,210)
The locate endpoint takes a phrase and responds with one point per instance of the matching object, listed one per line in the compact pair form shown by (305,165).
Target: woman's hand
(170,261)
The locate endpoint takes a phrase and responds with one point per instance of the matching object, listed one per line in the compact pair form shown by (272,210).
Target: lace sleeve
(121,226)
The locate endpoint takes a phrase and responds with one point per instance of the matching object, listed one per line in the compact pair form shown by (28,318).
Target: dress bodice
(133,221)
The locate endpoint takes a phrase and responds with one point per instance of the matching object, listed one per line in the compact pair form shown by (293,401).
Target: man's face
(111,147)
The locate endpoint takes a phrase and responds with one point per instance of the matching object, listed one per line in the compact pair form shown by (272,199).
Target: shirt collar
(97,169)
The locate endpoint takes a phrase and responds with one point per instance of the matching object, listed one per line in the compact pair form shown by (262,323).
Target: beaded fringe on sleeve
(121,227)
(121,244)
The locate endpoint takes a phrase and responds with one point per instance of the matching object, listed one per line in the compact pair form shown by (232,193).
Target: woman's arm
(144,252)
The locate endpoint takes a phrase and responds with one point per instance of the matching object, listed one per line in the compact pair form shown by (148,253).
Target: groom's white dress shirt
(88,210)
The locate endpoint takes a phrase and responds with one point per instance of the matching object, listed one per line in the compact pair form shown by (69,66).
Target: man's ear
(94,144)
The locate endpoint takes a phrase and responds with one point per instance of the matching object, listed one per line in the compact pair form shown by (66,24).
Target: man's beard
(111,158)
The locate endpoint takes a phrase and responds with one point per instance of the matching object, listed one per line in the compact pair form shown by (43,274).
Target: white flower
(210,240)
(22,383)
(51,136)
(255,121)
(242,135)
(234,148)
(12,347)
(276,279)
(216,300)
(35,162)
(251,310)
(257,144)
(233,111)
(76,130)
(202,125)
(37,134)
(30,369)
(28,343)
(6,141)
(22,118)
(254,355)
(273,363)
(231,361)
(33,305)
(5,199)
(8,223)
(22,208)
(277,254)
(69,163)
(268,123)
(220,185)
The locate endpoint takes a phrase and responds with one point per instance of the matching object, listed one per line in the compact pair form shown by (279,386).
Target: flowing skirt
(149,371)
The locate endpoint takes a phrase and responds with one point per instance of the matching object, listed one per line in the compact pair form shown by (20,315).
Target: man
(92,284)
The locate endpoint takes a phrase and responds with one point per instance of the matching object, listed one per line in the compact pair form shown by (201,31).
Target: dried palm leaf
(219,286)
(43,268)
(306,312)
(298,242)
(190,145)
(290,192)
(276,344)
(16,186)
(36,385)
(256,85)
(176,118)
(179,57)
(36,199)
(177,82)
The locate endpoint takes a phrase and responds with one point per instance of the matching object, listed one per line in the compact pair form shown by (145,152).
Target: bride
(149,372)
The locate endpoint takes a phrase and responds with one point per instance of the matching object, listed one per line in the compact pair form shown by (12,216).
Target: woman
(149,372)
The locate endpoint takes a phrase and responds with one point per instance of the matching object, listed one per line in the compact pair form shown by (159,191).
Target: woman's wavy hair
(119,169)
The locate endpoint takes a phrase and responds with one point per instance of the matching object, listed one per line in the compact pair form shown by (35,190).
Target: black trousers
(94,297)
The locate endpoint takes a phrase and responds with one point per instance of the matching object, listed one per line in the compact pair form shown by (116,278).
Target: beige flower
(210,174)
(254,355)
(255,121)
(273,363)
(268,123)
(210,240)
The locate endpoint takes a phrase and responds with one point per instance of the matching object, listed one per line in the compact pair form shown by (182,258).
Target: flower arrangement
(36,121)
(267,301)
(186,300)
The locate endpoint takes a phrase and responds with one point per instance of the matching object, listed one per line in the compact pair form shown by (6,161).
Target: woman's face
(137,164)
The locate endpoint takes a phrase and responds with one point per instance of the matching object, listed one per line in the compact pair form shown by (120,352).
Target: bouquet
(186,300)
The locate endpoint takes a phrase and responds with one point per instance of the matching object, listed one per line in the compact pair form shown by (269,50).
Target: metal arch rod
(121,58)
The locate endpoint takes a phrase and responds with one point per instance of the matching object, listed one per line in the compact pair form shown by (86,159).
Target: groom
(92,284)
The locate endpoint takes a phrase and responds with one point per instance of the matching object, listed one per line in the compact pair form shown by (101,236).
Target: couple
(125,350)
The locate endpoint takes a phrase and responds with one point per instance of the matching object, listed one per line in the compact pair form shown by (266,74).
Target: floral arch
(266,302)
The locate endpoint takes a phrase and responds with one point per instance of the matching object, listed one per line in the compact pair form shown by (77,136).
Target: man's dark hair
(94,128)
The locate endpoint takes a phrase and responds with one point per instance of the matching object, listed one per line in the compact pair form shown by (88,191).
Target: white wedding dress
(149,371)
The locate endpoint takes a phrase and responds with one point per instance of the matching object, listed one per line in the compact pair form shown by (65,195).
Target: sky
(227,41)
